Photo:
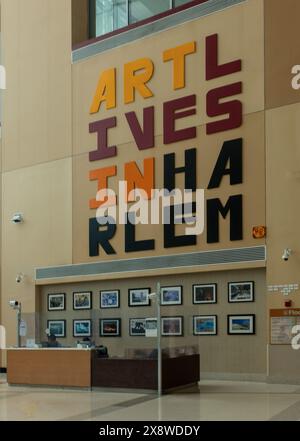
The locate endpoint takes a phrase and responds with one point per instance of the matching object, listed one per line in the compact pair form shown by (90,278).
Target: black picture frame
(105,334)
(87,334)
(64,322)
(230,331)
(83,308)
(59,294)
(202,286)
(203,333)
(171,303)
(174,334)
(110,291)
(141,334)
(242,300)
(133,304)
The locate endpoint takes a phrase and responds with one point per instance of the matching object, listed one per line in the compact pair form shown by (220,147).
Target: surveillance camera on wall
(286,254)
(14,304)
(17,218)
(152,295)
(19,278)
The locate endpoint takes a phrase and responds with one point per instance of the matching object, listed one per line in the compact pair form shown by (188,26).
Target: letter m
(234,206)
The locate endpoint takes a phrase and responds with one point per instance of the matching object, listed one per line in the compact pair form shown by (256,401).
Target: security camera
(286,254)
(19,278)
(17,218)
(14,304)
(152,295)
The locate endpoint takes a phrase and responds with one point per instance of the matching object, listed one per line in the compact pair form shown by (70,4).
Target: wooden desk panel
(124,373)
(49,367)
(180,371)
(142,374)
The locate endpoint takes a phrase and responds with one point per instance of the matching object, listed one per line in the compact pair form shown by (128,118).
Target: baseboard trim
(258,378)
(278,379)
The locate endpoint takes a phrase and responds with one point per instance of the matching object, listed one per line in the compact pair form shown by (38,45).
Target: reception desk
(142,373)
(67,367)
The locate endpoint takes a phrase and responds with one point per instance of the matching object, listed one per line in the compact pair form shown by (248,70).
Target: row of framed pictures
(170,295)
(170,326)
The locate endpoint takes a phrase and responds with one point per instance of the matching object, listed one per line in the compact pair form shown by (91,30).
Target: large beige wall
(46,141)
(45,145)
(36,39)
(282,145)
(283,211)
(36,145)
(282,169)
(234,356)
(282,51)
(245,42)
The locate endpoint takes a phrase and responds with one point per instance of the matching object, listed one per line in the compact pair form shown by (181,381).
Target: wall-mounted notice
(151,327)
(281,323)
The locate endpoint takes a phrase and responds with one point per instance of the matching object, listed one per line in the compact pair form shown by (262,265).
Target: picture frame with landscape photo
(172,326)
(82,300)
(241,324)
(110,299)
(110,327)
(139,297)
(57,302)
(205,325)
(137,327)
(205,293)
(240,292)
(57,328)
(82,328)
(171,295)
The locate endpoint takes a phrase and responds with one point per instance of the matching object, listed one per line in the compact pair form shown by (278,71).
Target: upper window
(108,15)
(141,9)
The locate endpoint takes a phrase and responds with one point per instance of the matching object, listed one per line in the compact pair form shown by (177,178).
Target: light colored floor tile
(213,400)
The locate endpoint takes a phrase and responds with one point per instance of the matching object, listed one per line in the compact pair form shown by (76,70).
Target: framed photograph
(57,327)
(205,293)
(137,327)
(82,328)
(110,327)
(57,302)
(171,295)
(139,297)
(239,292)
(205,325)
(241,324)
(109,299)
(82,300)
(172,326)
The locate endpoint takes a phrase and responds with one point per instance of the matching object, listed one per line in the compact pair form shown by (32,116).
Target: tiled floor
(214,400)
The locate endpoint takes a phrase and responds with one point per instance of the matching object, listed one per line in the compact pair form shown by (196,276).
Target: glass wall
(141,9)
(109,15)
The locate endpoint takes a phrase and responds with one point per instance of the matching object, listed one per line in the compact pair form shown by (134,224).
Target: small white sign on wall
(284,289)
(151,327)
